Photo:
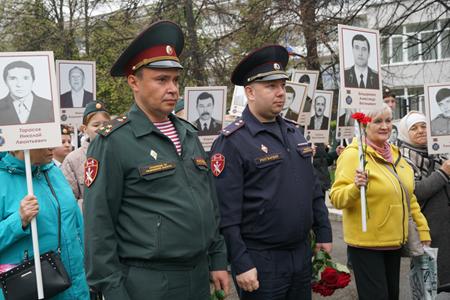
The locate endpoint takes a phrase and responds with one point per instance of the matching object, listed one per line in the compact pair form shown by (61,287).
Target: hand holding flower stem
(361,122)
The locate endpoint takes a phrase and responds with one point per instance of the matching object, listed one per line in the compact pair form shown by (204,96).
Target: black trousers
(377,273)
(282,274)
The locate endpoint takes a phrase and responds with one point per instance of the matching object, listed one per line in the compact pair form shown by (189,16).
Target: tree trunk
(86,26)
(198,63)
(308,15)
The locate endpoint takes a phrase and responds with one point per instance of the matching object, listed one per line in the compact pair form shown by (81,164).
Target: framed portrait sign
(77,87)
(309,78)
(205,108)
(29,106)
(238,102)
(360,70)
(295,95)
(318,125)
(437,107)
(345,125)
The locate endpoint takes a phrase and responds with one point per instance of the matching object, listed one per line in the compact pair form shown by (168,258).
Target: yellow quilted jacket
(387,223)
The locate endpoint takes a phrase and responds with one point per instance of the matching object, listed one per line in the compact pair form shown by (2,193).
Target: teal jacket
(14,240)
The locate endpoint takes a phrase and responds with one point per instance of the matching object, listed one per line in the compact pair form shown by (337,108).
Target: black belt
(188,264)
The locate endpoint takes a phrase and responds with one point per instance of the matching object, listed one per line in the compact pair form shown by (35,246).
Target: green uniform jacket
(147,202)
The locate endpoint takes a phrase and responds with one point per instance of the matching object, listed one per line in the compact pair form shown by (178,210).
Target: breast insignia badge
(217,164)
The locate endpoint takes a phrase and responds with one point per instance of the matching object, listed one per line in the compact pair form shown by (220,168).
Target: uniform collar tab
(140,124)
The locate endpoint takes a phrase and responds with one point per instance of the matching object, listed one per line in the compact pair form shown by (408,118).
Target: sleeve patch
(217,164)
(90,171)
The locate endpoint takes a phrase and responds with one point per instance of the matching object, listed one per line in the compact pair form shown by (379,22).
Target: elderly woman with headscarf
(432,175)
(375,254)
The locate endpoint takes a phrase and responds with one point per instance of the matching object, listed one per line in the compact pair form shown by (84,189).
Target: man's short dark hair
(205,95)
(325,99)
(76,68)
(290,89)
(360,37)
(18,64)
(442,94)
(304,79)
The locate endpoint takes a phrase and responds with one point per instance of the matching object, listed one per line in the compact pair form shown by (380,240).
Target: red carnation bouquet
(328,276)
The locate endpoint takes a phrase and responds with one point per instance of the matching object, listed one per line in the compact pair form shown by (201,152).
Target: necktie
(22,108)
(361,83)
(205,128)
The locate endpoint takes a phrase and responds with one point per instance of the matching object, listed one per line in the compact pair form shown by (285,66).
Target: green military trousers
(143,282)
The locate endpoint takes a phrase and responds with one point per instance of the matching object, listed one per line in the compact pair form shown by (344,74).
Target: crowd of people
(163,218)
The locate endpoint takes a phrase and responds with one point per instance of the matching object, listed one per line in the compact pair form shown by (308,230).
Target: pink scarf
(384,151)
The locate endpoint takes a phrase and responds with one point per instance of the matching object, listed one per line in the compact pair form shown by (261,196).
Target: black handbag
(19,283)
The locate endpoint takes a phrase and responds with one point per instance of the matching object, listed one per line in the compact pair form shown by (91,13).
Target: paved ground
(339,254)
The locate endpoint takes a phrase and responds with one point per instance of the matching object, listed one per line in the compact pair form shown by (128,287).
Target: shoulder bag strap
(408,200)
(59,209)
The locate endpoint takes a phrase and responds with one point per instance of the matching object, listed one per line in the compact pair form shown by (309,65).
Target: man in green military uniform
(441,124)
(150,204)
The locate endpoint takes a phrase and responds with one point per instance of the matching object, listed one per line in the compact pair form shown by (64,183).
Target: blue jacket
(14,240)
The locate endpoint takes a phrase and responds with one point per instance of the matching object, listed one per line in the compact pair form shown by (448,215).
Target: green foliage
(31,31)
(108,39)
(218,295)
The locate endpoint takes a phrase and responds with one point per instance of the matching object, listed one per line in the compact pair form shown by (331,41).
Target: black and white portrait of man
(360,74)
(77,83)
(206,124)
(205,109)
(22,105)
(319,121)
(440,122)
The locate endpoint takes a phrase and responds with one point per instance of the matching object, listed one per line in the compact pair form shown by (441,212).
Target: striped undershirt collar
(168,129)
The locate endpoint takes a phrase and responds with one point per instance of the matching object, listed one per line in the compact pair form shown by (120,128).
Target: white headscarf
(413,117)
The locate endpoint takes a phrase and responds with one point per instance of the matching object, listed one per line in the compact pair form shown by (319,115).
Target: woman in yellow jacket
(375,254)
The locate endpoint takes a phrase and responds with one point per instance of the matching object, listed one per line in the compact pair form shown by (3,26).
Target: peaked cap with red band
(158,47)
(263,64)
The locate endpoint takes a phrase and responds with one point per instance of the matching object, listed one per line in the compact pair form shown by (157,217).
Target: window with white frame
(408,98)
(417,42)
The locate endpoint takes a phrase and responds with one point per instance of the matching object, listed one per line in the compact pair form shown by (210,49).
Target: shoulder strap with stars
(113,125)
(239,123)
(291,122)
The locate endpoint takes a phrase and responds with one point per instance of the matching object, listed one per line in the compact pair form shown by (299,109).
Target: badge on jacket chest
(90,171)
(217,164)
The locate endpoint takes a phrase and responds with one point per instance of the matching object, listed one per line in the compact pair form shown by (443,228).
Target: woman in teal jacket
(17,209)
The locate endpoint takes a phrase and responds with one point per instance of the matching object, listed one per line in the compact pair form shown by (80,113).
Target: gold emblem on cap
(264,148)
(169,50)
(276,66)
(98,106)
